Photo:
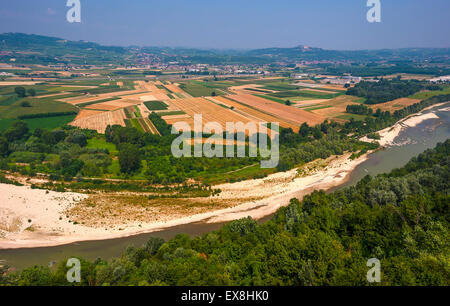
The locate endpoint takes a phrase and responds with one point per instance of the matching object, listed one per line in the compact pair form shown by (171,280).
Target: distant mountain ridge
(52,49)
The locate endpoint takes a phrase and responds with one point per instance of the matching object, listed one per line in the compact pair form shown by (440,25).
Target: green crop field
(280,86)
(36,106)
(274,99)
(258,90)
(428,94)
(197,89)
(8,100)
(316,107)
(47,123)
(155,105)
(304,93)
(171,113)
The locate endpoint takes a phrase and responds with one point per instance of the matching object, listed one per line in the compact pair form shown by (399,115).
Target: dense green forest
(359,109)
(387,90)
(401,218)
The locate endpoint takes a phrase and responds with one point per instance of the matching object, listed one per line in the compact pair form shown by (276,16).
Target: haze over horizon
(234,25)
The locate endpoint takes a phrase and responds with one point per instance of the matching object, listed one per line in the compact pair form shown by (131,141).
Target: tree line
(385,90)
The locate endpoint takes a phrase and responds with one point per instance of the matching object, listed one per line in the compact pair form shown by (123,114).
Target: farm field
(333,109)
(177,90)
(312,84)
(43,104)
(287,113)
(90,98)
(253,113)
(394,105)
(125,108)
(35,106)
(113,105)
(48,123)
(210,111)
(156,105)
(99,122)
(428,94)
(87,113)
(199,89)
(252,88)
(102,102)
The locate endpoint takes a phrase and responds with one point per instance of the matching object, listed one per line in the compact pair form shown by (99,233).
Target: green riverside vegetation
(401,218)
(129,153)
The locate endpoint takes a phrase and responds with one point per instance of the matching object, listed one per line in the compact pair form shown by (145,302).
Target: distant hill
(308,53)
(51,50)
(39,49)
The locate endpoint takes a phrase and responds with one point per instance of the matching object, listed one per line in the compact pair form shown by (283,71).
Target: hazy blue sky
(330,24)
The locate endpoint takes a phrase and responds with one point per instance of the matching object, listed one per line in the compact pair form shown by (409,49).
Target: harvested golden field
(113,105)
(100,121)
(283,112)
(395,104)
(144,110)
(103,106)
(210,112)
(151,89)
(174,118)
(308,103)
(17,83)
(87,113)
(92,98)
(175,89)
(253,114)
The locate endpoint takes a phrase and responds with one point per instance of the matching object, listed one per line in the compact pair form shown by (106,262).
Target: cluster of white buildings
(441,79)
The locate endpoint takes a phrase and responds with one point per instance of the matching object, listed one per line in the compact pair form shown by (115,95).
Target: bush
(129,158)
(25,104)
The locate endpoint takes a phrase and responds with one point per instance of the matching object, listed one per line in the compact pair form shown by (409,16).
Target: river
(409,143)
